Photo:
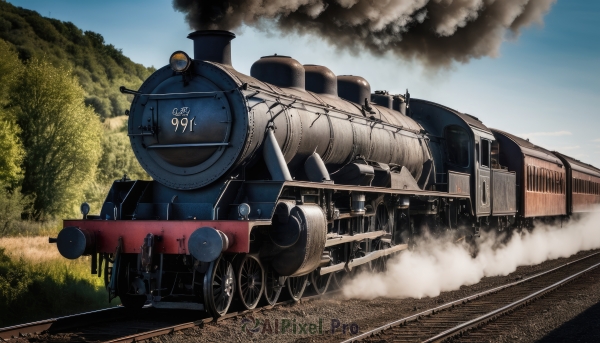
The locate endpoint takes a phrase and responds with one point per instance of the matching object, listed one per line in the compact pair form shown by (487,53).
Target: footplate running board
(340,239)
(362,260)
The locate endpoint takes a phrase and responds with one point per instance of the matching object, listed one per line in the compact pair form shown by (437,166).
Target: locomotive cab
(466,155)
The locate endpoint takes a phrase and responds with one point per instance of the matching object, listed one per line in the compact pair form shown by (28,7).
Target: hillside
(101,68)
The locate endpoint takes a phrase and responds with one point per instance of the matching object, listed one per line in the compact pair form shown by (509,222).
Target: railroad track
(118,324)
(98,325)
(457,318)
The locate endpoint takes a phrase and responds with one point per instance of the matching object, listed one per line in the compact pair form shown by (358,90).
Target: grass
(30,228)
(36,282)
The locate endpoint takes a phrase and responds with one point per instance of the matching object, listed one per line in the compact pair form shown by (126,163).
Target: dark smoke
(435,32)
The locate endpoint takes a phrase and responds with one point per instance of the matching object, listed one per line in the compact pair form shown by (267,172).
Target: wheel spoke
(249,280)
(272,289)
(217,294)
(296,286)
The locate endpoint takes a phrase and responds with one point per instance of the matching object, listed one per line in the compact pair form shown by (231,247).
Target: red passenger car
(583,185)
(541,176)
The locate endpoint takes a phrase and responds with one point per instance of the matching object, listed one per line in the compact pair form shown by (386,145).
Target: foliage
(117,160)
(11,151)
(12,205)
(10,66)
(100,68)
(61,136)
(61,288)
(51,143)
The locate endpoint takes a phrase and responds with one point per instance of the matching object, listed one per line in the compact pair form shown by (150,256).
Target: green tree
(61,136)
(117,160)
(10,66)
(11,151)
(12,207)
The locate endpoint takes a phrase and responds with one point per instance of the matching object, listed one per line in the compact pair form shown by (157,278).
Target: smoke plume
(435,32)
(438,265)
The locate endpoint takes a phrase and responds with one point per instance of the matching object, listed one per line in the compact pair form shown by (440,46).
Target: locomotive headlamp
(180,61)
(85,209)
(244,210)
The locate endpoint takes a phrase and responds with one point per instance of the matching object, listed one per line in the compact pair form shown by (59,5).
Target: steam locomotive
(294,178)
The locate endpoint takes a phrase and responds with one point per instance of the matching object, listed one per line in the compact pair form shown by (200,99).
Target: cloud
(547,134)
(596,140)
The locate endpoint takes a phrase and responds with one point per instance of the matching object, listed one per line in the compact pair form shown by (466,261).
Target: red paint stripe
(174,234)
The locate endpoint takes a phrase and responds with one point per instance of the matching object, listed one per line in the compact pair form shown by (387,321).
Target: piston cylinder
(304,255)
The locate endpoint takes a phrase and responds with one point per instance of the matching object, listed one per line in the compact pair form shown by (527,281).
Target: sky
(544,85)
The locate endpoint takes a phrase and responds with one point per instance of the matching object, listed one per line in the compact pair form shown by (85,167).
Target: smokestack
(212,45)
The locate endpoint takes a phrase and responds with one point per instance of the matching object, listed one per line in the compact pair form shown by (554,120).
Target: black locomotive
(294,176)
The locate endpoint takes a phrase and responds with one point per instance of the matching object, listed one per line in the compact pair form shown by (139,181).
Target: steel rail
(65,321)
(490,315)
(461,301)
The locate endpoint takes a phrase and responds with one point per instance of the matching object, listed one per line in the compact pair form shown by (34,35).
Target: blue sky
(543,86)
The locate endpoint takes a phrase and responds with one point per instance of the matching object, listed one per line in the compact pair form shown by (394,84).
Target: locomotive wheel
(382,223)
(250,281)
(125,288)
(338,279)
(382,218)
(132,301)
(320,283)
(219,286)
(379,265)
(296,286)
(273,285)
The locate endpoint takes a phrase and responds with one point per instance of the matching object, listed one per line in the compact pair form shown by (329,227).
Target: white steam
(437,265)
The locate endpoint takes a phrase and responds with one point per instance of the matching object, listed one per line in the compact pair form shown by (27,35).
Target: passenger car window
(457,146)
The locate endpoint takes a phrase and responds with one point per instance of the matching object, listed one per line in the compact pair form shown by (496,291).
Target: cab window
(485,153)
(457,146)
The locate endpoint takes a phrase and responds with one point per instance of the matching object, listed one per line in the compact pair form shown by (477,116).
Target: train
(292,179)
